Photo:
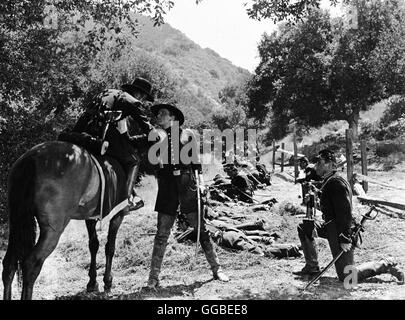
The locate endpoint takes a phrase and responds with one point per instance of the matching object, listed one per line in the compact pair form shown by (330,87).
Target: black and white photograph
(202,157)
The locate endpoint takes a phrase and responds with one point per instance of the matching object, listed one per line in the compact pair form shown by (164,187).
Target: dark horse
(53,183)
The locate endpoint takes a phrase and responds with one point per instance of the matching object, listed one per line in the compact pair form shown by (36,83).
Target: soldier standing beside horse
(177,189)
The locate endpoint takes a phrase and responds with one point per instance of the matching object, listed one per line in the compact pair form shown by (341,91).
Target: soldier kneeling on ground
(336,206)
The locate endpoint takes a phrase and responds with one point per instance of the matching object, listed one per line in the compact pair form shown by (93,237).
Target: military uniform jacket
(121,145)
(171,163)
(177,184)
(336,204)
(244,189)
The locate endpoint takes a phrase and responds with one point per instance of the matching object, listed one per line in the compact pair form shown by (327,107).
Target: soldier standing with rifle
(337,227)
(177,188)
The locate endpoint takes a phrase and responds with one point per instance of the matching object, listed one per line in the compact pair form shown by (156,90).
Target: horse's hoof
(92,288)
(107,290)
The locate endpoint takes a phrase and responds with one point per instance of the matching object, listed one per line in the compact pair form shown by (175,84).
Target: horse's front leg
(110,249)
(92,286)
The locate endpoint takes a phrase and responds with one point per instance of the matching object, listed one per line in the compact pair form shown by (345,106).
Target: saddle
(82,139)
(113,187)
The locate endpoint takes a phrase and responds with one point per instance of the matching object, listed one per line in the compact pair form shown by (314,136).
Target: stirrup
(134,206)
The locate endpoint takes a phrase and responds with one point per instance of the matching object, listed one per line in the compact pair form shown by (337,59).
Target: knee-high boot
(212,258)
(164,226)
(158,253)
(374,268)
(208,247)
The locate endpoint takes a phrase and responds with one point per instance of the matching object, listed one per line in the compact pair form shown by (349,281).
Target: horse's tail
(22,209)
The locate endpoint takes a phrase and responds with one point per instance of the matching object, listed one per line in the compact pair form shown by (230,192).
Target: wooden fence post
(364,163)
(349,155)
(295,157)
(282,157)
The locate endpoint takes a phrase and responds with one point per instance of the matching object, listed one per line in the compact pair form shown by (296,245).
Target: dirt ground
(64,274)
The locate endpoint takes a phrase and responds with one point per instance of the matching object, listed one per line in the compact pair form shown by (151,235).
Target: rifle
(311,199)
(355,234)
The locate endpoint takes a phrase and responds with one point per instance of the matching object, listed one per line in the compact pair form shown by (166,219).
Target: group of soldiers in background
(243,179)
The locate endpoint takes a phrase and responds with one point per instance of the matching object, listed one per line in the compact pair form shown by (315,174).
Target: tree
(231,113)
(45,44)
(319,70)
(284,10)
(291,79)
(354,84)
(387,61)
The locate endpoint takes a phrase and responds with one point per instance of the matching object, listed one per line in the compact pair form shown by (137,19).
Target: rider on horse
(95,124)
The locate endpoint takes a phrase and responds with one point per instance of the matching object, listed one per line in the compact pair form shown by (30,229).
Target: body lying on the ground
(249,236)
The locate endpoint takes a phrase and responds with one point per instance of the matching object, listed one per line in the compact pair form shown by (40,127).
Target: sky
(223,26)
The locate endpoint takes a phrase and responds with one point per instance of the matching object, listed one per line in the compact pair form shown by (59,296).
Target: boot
(397,273)
(164,226)
(213,261)
(374,268)
(310,254)
(156,264)
(132,195)
(220,275)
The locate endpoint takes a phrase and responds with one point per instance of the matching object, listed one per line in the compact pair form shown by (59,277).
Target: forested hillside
(201,69)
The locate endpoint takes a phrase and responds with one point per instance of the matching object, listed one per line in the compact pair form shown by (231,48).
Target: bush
(392,130)
(386,149)
(391,125)
(24,128)
(368,129)
(214,74)
(395,110)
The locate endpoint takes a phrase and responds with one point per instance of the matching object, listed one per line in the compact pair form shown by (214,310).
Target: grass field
(64,275)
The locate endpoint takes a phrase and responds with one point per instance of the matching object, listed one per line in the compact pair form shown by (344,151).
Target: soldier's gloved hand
(346,246)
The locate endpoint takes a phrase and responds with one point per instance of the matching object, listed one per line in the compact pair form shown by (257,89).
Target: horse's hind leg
(9,268)
(32,266)
(110,250)
(93,246)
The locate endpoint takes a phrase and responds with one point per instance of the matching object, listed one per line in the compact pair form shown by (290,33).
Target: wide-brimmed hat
(173,110)
(142,85)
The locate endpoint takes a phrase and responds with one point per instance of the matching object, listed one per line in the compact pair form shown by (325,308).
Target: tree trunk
(353,121)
